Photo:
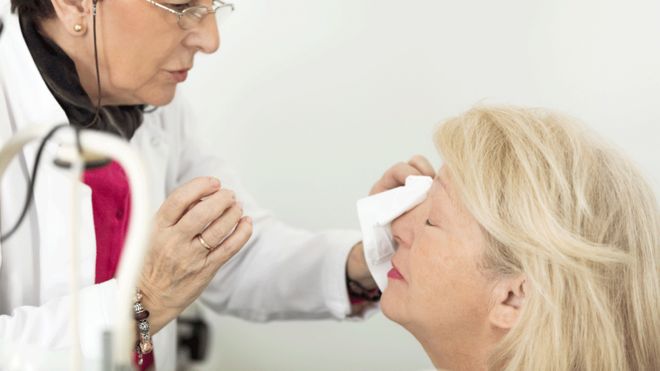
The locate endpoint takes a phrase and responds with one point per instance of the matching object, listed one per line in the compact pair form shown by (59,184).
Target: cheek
(446,287)
(429,277)
(136,44)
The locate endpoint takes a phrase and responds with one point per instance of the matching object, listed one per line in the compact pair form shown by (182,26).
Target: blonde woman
(538,248)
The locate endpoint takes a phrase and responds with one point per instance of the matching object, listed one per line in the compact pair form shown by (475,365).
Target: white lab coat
(283,273)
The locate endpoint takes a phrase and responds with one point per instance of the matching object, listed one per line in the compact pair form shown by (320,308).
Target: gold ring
(204,243)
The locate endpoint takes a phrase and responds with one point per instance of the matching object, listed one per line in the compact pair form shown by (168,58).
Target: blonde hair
(578,220)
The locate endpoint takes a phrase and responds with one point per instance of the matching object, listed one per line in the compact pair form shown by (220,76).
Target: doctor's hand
(180,264)
(356,265)
(397,174)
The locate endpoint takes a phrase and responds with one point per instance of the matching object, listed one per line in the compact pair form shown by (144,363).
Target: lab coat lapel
(151,142)
(31,103)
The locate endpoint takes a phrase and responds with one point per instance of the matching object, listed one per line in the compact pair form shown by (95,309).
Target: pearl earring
(77,28)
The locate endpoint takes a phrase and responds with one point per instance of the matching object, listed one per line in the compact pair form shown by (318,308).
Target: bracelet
(359,292)
(141,315)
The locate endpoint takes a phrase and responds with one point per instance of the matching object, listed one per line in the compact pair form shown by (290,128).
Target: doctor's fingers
(181,199)
(397,174)
(222,227)
(205,212)
(423,165)
(232,244)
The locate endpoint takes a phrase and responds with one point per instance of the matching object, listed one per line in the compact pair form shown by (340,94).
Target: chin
(392,306)
(160,97)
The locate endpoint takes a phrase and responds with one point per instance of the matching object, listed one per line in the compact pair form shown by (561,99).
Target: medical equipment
(75,148)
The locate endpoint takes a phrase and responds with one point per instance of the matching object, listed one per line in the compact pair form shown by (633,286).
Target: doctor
(59,63)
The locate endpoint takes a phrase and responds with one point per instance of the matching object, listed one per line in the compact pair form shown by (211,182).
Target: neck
(447,353)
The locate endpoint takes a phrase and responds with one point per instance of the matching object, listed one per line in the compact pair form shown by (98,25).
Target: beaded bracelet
(357,292)
(141,315)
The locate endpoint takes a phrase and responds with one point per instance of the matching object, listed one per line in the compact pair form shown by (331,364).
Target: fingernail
(248,219)
(215,183)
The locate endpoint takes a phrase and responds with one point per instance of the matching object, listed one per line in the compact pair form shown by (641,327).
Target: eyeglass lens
(191,17)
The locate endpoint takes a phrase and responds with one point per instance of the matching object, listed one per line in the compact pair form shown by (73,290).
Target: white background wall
(313,100)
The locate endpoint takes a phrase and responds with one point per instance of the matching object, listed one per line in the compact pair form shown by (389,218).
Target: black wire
(98,75)
(30,192)
(42,145)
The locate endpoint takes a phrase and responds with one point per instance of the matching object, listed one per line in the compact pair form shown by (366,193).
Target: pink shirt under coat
(111,201)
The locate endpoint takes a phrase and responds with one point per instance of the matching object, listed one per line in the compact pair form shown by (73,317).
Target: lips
(179,76)
(395,274)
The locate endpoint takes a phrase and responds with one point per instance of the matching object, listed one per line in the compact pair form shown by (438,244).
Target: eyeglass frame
(215,6)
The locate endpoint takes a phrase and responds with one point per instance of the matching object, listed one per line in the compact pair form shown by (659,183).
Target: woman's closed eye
(430,224)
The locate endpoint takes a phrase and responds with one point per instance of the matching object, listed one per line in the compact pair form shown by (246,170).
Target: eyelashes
(180,7)
(433,225)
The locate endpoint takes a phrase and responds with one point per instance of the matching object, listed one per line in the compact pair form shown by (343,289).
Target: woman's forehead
(439,195)
(441,182)
(443,196)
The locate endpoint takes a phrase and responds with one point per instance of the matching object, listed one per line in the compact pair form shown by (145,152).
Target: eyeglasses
(190,16)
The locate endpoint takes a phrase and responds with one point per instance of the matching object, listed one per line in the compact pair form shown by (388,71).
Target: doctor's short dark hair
(33,9)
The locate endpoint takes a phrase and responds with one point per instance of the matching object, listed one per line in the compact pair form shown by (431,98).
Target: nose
(205,37)
(402,230)
(405,227)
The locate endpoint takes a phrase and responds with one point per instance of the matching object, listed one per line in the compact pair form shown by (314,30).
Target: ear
(72,14)
(509,296)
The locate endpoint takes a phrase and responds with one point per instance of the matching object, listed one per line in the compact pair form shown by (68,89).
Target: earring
(77,28)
